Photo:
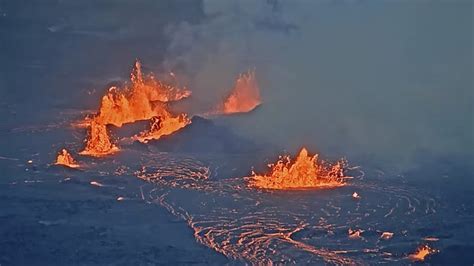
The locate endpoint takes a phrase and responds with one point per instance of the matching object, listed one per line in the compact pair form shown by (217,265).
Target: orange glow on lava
(421,253)
(162,126)
(303,173)
(65,158)
(145,98)
(98,142)
(141,100)
(244,97)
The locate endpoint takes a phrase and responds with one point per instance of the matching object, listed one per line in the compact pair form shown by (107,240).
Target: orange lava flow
(65,158)
(244,97)
(142,100)
(304,173)
(421,253)
(162,126)
(98,142)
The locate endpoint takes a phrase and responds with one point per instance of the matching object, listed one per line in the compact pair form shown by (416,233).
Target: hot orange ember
(98,143)
(305,172)
(142,100)
(162,126)
(421,253)
(65,158)
(244,97)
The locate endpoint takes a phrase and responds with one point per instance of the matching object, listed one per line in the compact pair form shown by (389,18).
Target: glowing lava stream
(244,97)
(305,172)
(162,126)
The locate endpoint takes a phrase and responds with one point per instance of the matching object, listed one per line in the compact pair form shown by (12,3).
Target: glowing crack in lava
(162,126)
(421,253)
(142,100)
(244,97)
(65,158)
(98,142)
(296,227)
(305,172)
(228,217)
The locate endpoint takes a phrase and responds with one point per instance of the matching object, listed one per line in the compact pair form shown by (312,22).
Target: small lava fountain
(304,173)
(98,142)
(421,253)
(244,97)
(65,158)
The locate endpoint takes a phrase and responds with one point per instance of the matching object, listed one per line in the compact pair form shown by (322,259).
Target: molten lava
(65,158)
(142,100)
(98,143)
(162,126)
(305,172)
(244,97)
(145,98)
(421,253)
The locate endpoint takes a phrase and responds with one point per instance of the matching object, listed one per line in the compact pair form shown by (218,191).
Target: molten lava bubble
(421,253)
(98,142)
(162,126)
(244,97)
(65,158)
(305,172)
(138,101)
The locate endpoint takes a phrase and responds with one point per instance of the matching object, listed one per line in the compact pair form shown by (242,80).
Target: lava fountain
(145,98)
(65,158)
(304,172)
(141,100)
(421,253)
(244,97)
(98,142)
